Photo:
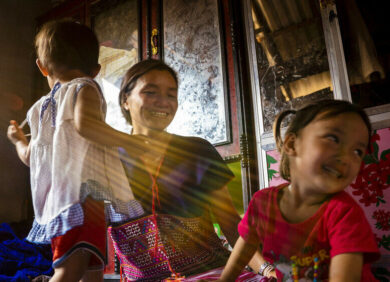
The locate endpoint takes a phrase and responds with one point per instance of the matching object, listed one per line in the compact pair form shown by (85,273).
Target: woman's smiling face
(152,103)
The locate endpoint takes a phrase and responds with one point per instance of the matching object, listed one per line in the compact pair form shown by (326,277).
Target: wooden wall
(17,31)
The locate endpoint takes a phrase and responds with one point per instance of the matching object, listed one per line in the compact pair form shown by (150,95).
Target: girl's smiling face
(327,153)
(152,103)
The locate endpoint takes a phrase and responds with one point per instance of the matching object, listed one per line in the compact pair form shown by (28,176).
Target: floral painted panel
(370,190)
(273,159)
(192,46)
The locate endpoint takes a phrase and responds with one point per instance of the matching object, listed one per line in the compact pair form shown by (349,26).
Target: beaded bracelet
(265,269)
(268,270)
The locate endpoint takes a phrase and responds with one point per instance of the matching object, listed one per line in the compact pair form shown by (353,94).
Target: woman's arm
(90,124)
(226,215)
(238,259)
(346,267)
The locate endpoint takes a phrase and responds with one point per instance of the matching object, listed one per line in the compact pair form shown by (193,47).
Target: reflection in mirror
(117,30)
(366,44)
(291,55)
(192,46)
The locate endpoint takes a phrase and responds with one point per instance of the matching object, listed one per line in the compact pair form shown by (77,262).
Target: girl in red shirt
(310,229)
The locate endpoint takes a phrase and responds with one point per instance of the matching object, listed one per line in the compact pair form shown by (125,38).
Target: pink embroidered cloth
(214,274)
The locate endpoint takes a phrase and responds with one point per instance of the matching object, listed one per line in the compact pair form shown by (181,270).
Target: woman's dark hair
(65,44)
(305,115)
(136,71)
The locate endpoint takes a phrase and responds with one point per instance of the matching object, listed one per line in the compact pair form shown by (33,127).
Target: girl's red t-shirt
(304,249)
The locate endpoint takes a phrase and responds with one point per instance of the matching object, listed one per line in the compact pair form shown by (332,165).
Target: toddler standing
(73,167)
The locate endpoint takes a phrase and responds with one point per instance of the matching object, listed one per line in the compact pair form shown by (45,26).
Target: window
(117,30)
(367,50)
(292,62)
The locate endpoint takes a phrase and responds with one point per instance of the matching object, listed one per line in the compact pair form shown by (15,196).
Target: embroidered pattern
(179,244)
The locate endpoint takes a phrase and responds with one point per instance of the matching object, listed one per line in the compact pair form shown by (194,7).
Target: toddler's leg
(73,268)
(80,253)
(93,276)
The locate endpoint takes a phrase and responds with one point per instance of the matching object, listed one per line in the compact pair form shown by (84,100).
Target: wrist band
(268,270)
(265,268)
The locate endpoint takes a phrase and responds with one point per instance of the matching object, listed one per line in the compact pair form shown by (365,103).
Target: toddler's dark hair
(65,45)
(136,71)
(305,115)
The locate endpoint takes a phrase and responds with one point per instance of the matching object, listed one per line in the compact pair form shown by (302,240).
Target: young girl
(70,175)
(310,229)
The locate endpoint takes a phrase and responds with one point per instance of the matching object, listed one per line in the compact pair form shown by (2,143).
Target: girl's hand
(15,133)
(272,274)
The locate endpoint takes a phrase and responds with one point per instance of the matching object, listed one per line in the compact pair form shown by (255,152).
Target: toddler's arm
(346,267)
(16,136)
(226,215)
(239,258)
(90,124)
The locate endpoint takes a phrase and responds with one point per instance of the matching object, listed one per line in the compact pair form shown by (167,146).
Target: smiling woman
(153,102)
(177,183)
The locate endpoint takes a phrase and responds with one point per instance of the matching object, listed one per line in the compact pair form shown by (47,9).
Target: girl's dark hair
(305,115)
(136,71)
(65,44)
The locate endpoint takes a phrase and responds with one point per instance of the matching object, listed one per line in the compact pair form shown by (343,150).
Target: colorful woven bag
(160,246)
(183,246)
